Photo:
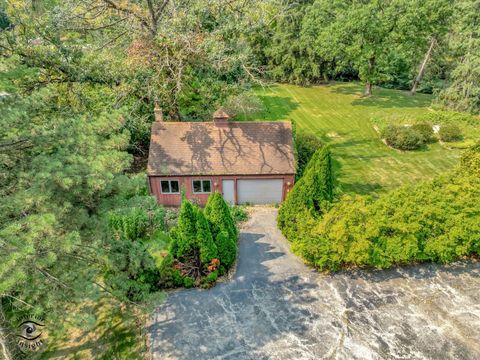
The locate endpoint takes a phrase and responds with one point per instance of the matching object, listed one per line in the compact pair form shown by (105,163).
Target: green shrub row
(452,126)
(433,221)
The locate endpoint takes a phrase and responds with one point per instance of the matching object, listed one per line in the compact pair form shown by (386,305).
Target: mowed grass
(340,116)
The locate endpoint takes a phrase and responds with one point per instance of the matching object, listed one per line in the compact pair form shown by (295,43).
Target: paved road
(277,308)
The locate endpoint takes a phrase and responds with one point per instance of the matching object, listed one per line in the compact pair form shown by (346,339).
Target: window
(202,186)
(169,186)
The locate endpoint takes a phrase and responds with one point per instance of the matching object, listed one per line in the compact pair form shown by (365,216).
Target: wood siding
(185,182)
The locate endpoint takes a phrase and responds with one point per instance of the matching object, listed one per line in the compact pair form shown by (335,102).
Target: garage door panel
(260,191)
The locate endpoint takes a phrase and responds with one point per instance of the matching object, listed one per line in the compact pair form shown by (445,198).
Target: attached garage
(260,191)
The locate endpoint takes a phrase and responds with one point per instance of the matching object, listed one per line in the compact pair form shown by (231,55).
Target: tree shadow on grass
(274,108)
(115,335)
(382,98)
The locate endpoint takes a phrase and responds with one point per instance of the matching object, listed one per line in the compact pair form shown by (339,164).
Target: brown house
(248,162)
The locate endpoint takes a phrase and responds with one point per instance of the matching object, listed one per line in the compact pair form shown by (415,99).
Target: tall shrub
(208,249)
(311,194)
(219,216)
(305,145)
(192,244)
(223,228)
(185,240)
(130,269)
(431,221)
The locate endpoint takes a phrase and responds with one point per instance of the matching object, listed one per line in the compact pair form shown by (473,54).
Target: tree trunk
(368,85)
(368,89)
(421,71)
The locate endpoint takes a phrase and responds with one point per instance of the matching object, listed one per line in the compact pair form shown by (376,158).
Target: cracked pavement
(275,307)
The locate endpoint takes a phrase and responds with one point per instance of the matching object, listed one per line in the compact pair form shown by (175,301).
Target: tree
(58,163)
(208,249)
(223,229)
(423,67)
(353,34)
(289,57)
(192,242)
(310,195)
(306,145)
(378,41)
(219,216)
(463,92)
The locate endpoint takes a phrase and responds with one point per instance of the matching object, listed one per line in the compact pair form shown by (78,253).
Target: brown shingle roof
(237,148)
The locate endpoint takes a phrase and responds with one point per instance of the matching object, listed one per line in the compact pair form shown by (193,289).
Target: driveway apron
(275,307)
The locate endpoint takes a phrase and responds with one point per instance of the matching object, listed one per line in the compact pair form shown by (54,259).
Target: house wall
(185,182)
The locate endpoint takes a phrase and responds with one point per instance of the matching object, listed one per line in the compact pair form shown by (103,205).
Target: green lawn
(340,116)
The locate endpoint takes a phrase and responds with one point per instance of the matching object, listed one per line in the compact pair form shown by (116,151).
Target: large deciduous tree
(463,92)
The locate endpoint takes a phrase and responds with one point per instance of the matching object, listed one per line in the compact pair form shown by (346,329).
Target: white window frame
(201,185)
(170,186)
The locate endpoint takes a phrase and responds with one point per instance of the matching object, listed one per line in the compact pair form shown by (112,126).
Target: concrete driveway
(277,308)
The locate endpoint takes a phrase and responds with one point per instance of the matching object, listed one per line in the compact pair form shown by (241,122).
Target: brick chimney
(158,113)
(220,117)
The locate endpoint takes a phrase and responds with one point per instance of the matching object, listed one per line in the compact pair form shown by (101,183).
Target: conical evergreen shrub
(223,229)
(219,216)
(185,231)
(227,249)
(310,194)
(208,249)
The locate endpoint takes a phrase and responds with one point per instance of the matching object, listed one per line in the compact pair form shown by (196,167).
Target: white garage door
(265,191)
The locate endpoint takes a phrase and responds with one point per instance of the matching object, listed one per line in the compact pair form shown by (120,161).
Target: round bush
(450,133)
(426,130)
(403,138)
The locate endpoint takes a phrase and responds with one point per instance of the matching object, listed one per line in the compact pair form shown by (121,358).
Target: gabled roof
(236,148)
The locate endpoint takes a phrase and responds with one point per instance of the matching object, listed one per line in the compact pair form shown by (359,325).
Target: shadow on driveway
(277,308)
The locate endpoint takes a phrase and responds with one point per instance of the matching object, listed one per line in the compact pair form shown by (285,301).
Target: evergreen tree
(227,249)
(223,228)
(463,93)
(208,250)
(185,232)
(311,194)
(219,216)
(192,242)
